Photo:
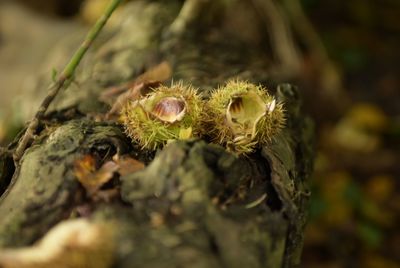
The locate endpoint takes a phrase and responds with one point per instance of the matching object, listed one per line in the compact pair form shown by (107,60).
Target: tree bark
(194,204)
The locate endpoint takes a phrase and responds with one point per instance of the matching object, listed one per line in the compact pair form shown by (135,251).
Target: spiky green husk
(151,132)
(235,136)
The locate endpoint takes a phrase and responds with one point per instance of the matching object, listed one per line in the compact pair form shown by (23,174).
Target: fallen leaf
(90,178)
(85,166)
(128,165)
(133,93)
(160,72)
(132,90)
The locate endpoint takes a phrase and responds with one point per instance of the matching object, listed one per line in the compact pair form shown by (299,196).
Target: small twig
(65,76)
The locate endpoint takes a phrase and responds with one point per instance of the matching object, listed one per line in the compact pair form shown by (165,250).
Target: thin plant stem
(66,75)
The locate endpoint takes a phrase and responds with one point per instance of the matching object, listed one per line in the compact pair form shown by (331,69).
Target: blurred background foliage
(355,206)
(355,202)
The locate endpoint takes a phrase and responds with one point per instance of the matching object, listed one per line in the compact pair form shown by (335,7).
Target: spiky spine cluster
(144,126)
(242,136)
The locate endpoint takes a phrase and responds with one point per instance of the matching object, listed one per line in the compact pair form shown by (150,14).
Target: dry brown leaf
(128,165)
(160,72)
(139,86)
(90,178)
(132,94)
(84,168)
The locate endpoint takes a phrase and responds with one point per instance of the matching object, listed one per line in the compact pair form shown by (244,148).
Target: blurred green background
(354,219)
(355,202)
